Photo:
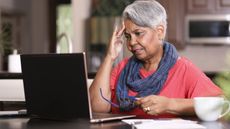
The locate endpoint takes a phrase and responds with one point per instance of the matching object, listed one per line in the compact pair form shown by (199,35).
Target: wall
(7,4)
(81,11)
(35,23)
(209,58)
(34,38)
(39,27)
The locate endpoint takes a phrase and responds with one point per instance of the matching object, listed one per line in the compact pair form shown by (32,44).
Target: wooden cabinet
(200,6)
(208,6)
(223,6)
(177,10)
(175,28)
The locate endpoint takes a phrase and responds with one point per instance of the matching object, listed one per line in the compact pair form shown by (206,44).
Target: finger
(115,31)
(147,109)
(152,112)
(117,34)
(146,104)
(147,98)
(121,30)
(147,101)
(116,28)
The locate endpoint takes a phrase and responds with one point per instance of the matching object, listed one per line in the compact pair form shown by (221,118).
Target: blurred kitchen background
(50,26)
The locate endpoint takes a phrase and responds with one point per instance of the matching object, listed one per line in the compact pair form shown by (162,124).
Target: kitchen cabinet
(200,6)
(223,6)
(176,13)
(208,6)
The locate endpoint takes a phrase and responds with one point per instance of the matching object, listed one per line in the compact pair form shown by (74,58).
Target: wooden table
(26,123)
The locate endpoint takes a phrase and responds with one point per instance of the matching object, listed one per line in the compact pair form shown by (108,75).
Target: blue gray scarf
(130,78)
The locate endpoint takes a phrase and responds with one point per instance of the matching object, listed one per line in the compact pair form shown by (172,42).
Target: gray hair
(146,13)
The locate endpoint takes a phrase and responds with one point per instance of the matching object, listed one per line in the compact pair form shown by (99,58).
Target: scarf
(130,78)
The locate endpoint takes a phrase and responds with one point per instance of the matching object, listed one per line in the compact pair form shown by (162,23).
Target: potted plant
(222,79)
(5,48)
(1,50)
(1,53)
(109,7)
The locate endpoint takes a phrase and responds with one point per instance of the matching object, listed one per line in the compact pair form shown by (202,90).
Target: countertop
(7,75)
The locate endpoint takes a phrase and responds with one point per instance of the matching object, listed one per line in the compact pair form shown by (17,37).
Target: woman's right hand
(102,78)
(116,42)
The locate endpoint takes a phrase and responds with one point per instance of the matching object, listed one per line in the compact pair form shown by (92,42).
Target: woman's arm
(181,107)
(102,79)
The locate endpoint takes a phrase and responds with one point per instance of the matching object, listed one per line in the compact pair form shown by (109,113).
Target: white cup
(210,108)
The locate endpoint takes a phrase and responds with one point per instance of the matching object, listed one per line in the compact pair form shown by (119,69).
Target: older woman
(155,81)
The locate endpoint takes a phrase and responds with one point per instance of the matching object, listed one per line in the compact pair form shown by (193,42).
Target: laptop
(55,87)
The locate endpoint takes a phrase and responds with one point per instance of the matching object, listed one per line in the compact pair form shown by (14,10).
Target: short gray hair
(146,13)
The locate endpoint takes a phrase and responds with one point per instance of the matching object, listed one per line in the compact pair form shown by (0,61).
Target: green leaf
(110,7)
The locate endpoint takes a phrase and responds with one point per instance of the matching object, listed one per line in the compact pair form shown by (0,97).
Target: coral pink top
(184,80)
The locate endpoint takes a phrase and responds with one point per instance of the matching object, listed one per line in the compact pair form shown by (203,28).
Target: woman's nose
(132,41)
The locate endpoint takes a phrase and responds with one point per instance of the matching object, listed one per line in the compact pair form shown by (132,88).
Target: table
(26,123)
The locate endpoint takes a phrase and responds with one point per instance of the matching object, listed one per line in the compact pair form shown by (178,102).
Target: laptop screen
(55,85)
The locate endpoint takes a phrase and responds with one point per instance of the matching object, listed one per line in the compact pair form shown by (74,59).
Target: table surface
(26,123)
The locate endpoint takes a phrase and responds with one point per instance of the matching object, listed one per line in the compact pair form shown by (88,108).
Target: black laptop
(55,87)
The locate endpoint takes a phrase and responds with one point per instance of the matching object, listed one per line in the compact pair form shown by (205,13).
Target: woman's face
(143,42)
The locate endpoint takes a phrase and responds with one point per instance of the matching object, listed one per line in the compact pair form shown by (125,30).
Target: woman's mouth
(137,51)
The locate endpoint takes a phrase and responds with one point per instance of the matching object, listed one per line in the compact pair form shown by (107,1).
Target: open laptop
(55,87)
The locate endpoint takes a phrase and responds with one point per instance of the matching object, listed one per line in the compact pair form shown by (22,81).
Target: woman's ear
(160,31)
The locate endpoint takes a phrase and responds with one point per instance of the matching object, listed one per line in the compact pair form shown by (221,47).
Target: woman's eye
(128,37)
(138,33)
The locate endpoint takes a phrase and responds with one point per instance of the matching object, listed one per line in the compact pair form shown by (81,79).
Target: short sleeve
(116,73)
(198,84)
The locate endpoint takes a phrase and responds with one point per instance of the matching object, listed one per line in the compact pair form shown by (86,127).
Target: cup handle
(227,110)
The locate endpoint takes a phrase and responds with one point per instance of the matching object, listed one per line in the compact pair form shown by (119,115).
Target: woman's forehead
(131,26)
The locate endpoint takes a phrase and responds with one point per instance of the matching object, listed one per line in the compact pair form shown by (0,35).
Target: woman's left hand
(154,105)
